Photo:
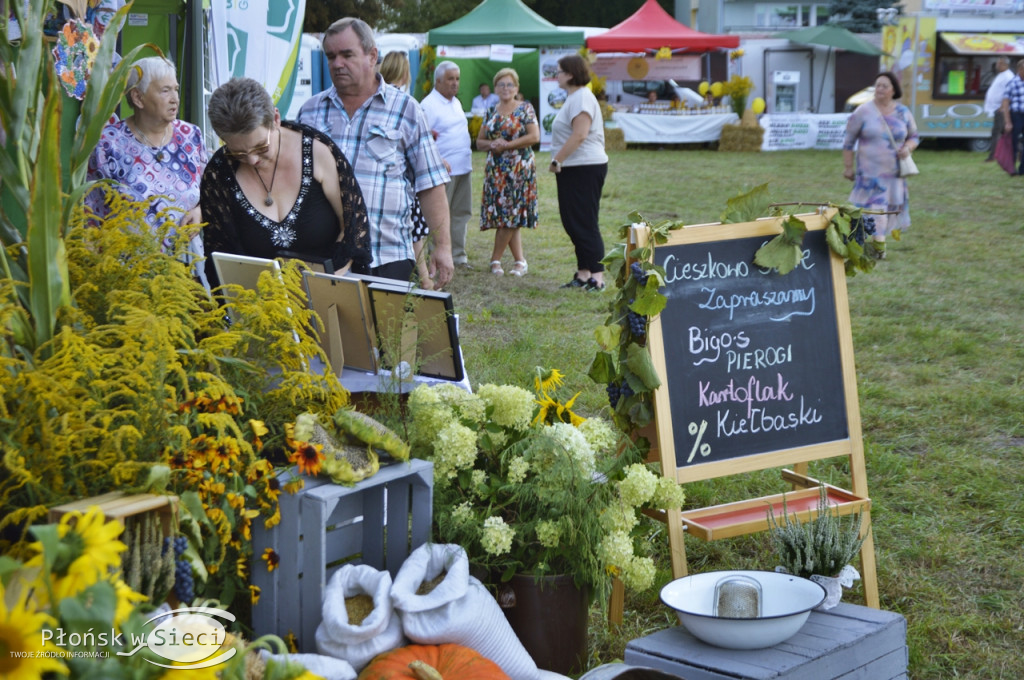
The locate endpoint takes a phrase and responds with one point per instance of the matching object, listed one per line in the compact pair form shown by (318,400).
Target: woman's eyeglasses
(255,151)
(503,86)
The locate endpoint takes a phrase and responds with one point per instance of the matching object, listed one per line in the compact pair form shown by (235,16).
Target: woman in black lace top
(278,187)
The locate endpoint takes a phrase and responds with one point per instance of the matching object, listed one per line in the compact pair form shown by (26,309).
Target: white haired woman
(152,155)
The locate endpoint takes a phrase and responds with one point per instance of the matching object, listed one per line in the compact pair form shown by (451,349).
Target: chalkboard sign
(754,361)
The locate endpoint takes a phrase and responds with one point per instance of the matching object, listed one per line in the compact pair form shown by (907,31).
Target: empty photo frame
(423,322)
(242,270)
(342,303)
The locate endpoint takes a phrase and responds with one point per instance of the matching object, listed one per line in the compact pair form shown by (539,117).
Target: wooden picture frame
(343,305)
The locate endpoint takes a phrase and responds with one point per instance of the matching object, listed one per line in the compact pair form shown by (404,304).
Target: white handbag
(908,167)
(904,166)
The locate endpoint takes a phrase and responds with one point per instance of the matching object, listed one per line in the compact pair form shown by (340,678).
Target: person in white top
(484,101)
(994,102)
(448,124)
(580,166)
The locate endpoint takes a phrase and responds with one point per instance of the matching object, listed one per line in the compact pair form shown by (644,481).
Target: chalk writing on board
(752,356)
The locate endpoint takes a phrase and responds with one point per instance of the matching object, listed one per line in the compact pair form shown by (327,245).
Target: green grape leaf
(602,370)
(638,360)
(747,207)
(836,241)
(608,336)
(649,302)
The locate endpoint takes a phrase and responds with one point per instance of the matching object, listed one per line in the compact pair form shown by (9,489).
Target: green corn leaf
(48,267)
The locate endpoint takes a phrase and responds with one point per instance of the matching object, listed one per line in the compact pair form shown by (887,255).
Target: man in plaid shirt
(1013,113)
(384,134)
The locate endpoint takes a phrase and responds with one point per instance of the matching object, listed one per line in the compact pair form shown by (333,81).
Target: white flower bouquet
(527,486)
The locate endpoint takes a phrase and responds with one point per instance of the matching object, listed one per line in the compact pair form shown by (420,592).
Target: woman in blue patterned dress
(510,177)
(882,131)
(151,155)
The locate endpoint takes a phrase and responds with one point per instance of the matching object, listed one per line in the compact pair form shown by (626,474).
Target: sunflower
(309,458)
(260,469)
(126,599)
(258,430)
(21,631)
(546,380)
(272,559)
(92,545)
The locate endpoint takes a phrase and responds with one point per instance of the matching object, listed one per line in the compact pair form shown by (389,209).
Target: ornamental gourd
(432,662)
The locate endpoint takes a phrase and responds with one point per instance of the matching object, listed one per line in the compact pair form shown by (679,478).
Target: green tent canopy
(503,22)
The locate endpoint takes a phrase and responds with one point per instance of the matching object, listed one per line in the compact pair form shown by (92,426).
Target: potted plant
(819,548)
(533,491)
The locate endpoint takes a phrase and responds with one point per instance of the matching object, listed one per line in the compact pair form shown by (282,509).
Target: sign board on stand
(757,372)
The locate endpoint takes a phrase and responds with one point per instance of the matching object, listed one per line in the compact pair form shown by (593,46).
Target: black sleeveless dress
(309,229)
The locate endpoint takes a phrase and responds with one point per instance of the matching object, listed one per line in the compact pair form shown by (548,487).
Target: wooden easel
(687,434)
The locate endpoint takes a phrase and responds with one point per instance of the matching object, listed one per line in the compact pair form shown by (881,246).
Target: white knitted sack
(459,609)
(326,667)
(380,631)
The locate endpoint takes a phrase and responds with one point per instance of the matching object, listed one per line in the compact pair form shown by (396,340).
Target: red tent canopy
(651,28)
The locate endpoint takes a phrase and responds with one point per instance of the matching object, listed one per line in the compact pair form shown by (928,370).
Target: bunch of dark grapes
(618,391)
(184,585)
(638,273)
(863,227)
(637,324)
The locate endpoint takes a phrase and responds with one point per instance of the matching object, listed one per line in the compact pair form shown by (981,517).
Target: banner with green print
(257,39)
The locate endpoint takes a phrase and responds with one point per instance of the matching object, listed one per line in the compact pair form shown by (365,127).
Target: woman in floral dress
(510,176)
(878,134)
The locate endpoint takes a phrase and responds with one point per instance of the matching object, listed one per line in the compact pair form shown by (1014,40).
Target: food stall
(652,45)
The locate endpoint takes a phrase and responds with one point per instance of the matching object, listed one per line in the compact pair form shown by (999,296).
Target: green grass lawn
(937,333)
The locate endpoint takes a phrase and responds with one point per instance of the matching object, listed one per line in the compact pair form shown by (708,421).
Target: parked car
(632,92)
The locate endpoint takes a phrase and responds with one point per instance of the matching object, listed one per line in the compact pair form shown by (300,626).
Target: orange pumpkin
(452,662)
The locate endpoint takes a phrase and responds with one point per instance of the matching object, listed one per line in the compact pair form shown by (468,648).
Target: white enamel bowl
(786,602)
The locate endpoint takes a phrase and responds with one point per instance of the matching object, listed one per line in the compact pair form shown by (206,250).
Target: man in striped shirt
(384,134)
(1013,114)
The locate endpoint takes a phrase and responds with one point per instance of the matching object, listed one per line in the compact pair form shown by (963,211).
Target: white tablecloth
(655,129)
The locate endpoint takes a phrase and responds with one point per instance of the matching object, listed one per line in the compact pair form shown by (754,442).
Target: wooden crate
(378,522)
(849,642)
(120,506)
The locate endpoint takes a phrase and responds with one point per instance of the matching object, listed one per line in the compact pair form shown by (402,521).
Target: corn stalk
(36,204)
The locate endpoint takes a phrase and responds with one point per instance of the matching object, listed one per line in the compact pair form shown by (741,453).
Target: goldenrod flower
(23,654)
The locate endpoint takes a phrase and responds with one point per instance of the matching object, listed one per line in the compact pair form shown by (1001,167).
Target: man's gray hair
(362,29)
(441,70)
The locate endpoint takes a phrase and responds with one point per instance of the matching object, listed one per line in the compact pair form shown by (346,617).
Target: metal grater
(737,597)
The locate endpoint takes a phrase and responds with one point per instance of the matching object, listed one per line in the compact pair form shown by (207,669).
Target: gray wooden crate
(849,642)
(378,522)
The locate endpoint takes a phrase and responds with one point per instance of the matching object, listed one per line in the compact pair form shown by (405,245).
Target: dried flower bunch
(526,485)
(820,545)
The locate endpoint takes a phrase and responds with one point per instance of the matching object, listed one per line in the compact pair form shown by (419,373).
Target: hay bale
(614,139)
(741,138)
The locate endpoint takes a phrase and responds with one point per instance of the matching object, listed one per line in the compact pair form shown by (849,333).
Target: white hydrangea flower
(638,485)
(548,533)
(601,434)
(454,450)
(572,440)
(616,549)
(513,406)
(517,470)
(463,513)
(478,479)
(619,517)
(669,494)
(638,574)
(429,415)
(497,536)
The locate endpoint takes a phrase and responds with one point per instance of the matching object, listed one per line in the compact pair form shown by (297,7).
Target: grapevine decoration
(622,362)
